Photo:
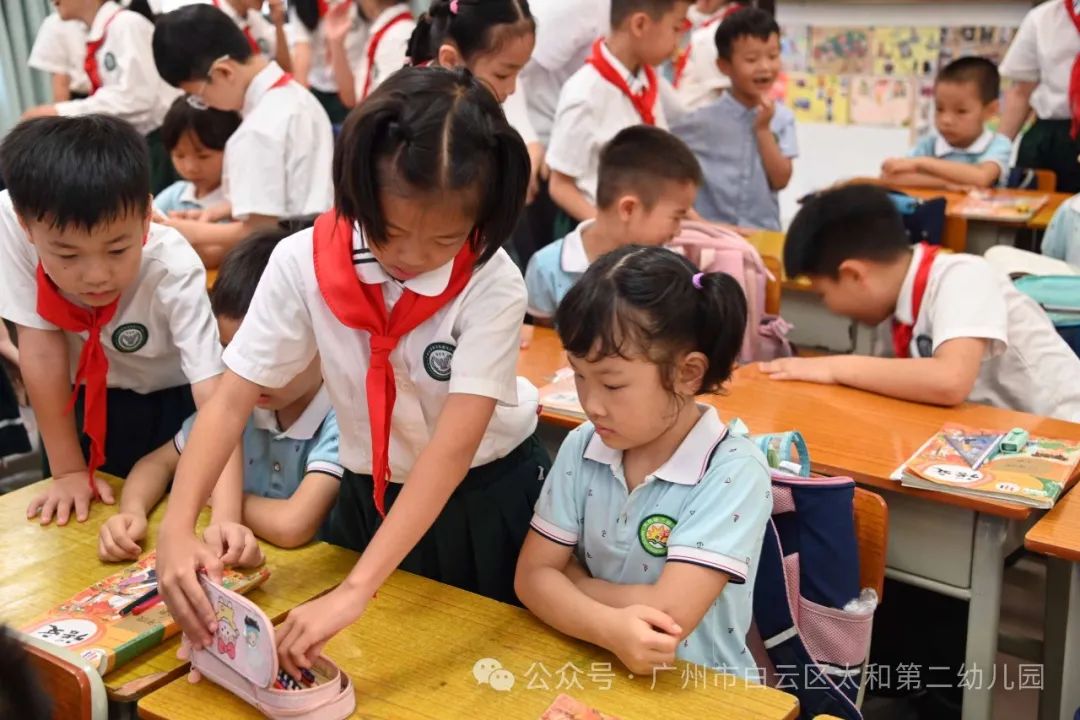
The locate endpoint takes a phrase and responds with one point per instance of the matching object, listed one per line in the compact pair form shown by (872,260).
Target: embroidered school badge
(130,337)
(654,533)
(110,61)
(437,360)
(264,47)
(924,344)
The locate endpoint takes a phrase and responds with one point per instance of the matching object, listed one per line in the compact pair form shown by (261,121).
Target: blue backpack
(1059,296)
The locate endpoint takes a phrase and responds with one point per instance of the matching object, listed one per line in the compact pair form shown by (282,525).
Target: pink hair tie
(697,280)
(454,6)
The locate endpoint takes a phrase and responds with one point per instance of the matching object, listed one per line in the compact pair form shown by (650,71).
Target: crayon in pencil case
(147,605)
(149,594)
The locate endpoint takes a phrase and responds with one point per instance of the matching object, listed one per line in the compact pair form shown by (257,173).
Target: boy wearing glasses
(278,162)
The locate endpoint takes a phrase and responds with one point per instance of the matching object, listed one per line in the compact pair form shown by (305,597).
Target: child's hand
(816,369)
(277,12)
(119,537)
(765,112)
(526,336)
(180,556)
(308,628)
(337,22)
(65,492)
(899,166)
(234,543)
(644,638)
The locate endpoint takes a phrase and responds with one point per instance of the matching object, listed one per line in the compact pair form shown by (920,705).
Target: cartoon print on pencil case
(227,632)
(258,659)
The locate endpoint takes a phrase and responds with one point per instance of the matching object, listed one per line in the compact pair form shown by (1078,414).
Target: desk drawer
(930,540)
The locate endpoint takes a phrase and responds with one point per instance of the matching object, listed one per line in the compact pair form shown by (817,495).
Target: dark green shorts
(1049,145)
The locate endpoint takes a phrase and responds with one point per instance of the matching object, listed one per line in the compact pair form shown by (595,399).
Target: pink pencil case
(243,660)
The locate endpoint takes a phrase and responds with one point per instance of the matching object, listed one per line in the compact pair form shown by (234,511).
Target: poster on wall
(882,101)
(817,98)
(923,121)
(840,51)
(795,48)
(975,41)
(906,51)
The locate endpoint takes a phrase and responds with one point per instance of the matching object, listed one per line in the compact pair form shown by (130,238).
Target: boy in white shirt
(266,36)
(60,50)
(617,88)
(960,330)
(277,164)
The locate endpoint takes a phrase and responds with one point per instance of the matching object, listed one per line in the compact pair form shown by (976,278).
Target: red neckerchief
(93,367)
(684,57)
(246,30)
(324,7)
(1074,79)
(373,47)
(645,101)
(282,81)
(90,64)
(902,333)
(361,306)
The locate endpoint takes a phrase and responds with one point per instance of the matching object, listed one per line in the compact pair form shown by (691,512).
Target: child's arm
(212,240)
(46,372)
(914,179)
(336,24)
(61,87)
(1017,108)
(983,175)
(778,167)
(145,485)
(293,522)
(279,17)
(564,191)
(301,62)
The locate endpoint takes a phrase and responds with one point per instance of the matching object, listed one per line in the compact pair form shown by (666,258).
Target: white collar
(305,426)
(573,258)
(943,148)
(905,300)
(382,19)
(214,197)
(368,269)
(687,465)
(260,85)
(104,14)
(636,82)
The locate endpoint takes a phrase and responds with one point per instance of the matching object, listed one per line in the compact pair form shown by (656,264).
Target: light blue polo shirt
(276,460)
(1062,238)
(990,147)
(708,505)
(736,188)
(553,270)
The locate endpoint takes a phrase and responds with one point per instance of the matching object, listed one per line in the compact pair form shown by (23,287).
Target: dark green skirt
(162,172)
(1048,145)
(475,541)
(135,425)
(331,102)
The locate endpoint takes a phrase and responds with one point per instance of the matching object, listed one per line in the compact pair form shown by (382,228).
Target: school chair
(74,685)
(774,286)
(872,536)
(1030,179)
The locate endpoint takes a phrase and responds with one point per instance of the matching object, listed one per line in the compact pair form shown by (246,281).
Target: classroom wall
(832,152)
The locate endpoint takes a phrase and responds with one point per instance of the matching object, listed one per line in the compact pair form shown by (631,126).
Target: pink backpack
(714,249)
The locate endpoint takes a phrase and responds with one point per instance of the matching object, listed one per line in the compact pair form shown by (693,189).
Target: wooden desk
(412,653)
(946,543)
(43,566)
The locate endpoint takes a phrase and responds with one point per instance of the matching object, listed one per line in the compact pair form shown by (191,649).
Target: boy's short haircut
(978,70)
(642,160)
(240,272)
(76,171)
(747,22)
(212,127)
(189,40)
(851,222)
(656,9)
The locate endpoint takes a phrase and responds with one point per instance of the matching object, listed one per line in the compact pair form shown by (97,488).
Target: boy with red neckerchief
(102,297)
(617,88)
(959,330)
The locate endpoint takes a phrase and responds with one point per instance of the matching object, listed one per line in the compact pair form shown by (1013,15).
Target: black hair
(745,22)
(142,7)
(187,41)
(251,623)
(642,302)
(240,271)
(978,70)
(212,127)
(478,27)
(655,9)
(855,221)
(308,12)
(76,171)
(432,130)
(642,159)
(21,695)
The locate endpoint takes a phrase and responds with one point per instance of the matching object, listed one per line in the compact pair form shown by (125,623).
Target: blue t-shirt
(1062,238)
(736,188)
(553,270)
(708,505)
(181,196)
(990,147)
(275,460)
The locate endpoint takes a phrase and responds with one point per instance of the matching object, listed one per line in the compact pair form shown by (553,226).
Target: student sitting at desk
(963,150)
(960,329)
(648,180)
(648,531)
(291,469)
(1062,238)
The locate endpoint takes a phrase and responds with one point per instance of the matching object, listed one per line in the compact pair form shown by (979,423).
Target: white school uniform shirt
(469,346)
(702,82)
(565,31)
(60,49)
(390,55)
(1027,367)
(163,334)
(321,73)
(516,109)
(261,28)
(278,162)
(131,87)
(1043,51)
(591,112)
